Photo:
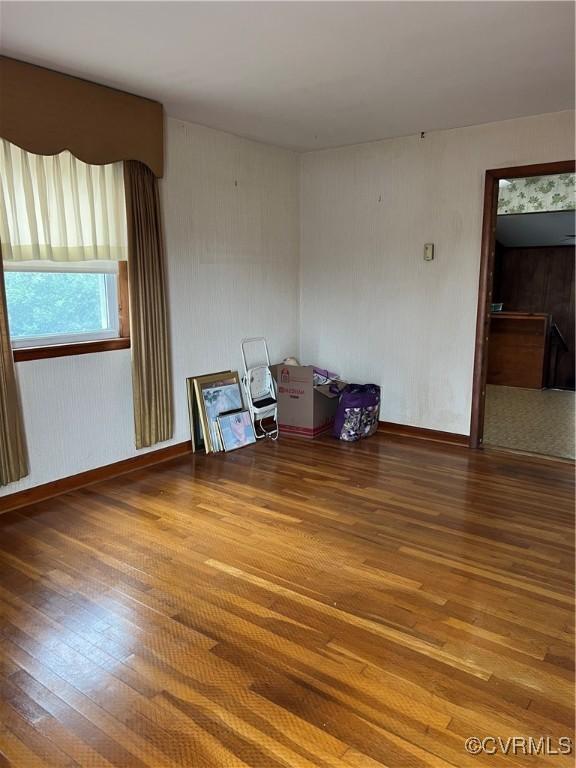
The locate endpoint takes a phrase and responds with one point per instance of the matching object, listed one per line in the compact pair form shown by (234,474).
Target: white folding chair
(259,386)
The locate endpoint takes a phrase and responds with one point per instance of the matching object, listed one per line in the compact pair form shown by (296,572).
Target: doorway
(523,391)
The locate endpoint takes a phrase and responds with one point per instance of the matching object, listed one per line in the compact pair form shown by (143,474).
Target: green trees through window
(48,303)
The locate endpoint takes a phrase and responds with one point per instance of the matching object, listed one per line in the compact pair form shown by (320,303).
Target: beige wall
(371,308)
(232,256)
(233,251)
(359,300)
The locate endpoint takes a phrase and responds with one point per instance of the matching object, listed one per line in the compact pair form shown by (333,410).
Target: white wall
(232,263)
(371,308)
(232,234)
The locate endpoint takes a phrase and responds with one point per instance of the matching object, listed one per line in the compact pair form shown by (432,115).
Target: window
(64,248)
(62,304)
(60,309)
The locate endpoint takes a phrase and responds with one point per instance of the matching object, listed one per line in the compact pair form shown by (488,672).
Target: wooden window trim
(123,301)
(22,354)
(64,350)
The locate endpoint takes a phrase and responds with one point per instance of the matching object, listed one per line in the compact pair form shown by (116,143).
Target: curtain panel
(13,458)
(57,208)
(151,376)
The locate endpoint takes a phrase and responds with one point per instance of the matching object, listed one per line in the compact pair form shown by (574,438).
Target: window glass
(60,306)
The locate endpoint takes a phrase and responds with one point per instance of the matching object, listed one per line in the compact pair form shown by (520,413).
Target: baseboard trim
(421,433)
(74,482)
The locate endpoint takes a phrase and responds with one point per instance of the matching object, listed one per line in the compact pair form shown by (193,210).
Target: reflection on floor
(539,421)
(297,604)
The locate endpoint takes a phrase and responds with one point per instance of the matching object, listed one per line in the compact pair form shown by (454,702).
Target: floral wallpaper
(538,193)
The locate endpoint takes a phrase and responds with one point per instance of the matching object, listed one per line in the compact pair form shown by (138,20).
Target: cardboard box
(303,409)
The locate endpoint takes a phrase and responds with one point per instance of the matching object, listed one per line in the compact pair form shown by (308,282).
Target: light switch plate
(429,252)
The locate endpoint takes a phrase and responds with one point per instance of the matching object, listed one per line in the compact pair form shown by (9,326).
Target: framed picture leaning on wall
(216,393)
(196,433)
(236,430)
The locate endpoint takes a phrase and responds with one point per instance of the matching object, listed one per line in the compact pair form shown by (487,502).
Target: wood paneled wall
(541,280)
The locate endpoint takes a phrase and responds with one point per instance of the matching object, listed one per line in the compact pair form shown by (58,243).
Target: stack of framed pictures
(218,420)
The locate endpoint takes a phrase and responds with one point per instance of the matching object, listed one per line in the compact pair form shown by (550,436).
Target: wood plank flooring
(301,604)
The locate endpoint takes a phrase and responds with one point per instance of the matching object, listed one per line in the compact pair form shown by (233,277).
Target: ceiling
(308,75)
(522,230)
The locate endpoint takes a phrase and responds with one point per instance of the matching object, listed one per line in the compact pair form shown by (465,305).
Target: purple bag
(358,412)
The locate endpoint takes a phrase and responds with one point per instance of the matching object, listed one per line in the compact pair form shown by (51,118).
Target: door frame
(491,185)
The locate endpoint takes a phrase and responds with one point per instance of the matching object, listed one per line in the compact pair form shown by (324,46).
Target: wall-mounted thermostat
(429,252)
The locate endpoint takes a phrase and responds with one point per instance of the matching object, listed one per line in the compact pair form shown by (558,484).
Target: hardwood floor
(302,604)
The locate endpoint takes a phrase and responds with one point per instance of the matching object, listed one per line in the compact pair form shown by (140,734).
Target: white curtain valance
(57,208)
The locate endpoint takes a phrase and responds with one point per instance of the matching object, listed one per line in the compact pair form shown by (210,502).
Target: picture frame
(216,393)
(196,432)
(236,430)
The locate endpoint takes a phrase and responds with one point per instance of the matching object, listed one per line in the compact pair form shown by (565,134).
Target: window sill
(22,354)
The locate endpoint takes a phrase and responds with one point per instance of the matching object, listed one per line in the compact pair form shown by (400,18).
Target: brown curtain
(13,460)
(151,378)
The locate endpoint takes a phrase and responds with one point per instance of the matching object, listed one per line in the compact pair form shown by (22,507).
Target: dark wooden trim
(123,300)
(492,178)
(483,313)
(421,433)
(74,482)
(64,350)
(536,169)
